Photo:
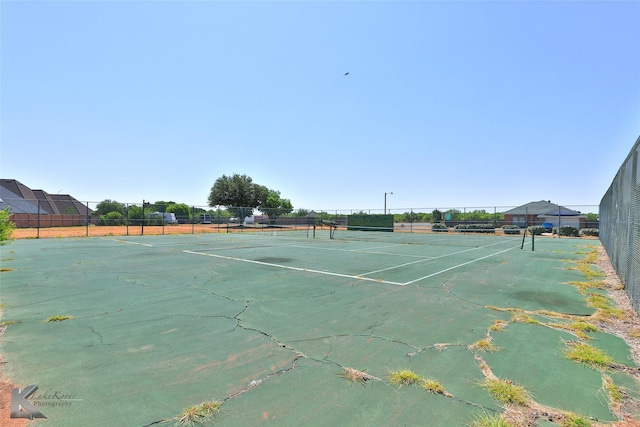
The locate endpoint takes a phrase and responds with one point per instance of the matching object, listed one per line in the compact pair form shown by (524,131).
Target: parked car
(548,227)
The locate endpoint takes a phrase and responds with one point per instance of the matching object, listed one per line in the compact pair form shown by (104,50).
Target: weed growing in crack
(198,414)
(524,318)
(486,420)
(354,375)
(483,346)
(404,377)
(612,390)
(434,386)
(574,420)
(498,325)
(579,328)
(587,354)
(506,391)
(58,318)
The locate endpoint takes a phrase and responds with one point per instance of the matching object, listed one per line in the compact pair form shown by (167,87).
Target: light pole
(385,201)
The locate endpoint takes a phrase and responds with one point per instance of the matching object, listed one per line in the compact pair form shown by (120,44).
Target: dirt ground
(120,230)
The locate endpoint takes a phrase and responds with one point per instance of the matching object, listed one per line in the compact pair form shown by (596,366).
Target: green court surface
(266,322)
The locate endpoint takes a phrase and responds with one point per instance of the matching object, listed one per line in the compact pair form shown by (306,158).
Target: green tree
(6,226)
(275,206)
(160,206)
(436,215)
(238,193)
(182,211)
(106,206)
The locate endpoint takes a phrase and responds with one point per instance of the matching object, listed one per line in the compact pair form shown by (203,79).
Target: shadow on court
(266,323)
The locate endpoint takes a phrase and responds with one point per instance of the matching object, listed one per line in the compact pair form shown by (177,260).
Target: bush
(112,218)
(475,228)
(6,226)
(589,232)
(439,227)
(511,229)
(536,230)
(566,230)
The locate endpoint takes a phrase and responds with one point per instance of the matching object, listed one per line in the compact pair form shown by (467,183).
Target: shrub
(511,229)
(536,230)
(589,232)
(476,228)
(439,227)
(566,230)
(112,218)
(6,226)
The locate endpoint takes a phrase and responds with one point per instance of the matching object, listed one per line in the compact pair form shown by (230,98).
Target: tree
(106,206)
(161,206)
(6,226)
(436,215)
(181,210)
(238,193)
(275,206)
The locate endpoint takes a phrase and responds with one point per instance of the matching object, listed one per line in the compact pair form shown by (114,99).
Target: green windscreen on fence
(365,222)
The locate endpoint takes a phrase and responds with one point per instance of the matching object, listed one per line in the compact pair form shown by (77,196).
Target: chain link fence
(620,224)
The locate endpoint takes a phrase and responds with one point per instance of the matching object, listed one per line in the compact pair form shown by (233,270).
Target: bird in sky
(346,74)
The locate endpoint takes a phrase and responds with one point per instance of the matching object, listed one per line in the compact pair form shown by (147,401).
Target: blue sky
(446,104)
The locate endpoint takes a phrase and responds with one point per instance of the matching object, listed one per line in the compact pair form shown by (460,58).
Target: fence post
(88,220)
(38,225)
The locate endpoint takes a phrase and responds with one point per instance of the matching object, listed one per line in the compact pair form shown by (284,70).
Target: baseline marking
(130,243)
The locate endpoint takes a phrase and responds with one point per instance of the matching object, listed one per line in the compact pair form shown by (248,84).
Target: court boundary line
(347,276)
(289,267)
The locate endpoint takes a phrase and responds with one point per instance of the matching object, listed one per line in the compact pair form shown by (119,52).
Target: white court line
(287,267)
(437,257)
(362,251)
(125,241)
(457,266)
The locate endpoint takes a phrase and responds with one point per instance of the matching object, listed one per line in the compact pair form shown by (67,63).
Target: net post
(524,237)
(533,241)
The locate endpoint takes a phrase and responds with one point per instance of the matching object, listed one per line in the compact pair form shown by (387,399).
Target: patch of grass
(404,377)
(199,414)
(483,346)
(505,391)
(598,301)
(573,420)
(7,323)
(498,325)
(354,375)
(587,271)
(635,333)
(583,326)
(486,420)
(587,354)
(524,318)
(58,318)
(434,386)
(613,390)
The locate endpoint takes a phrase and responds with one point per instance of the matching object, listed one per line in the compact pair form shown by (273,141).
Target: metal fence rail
(620,224)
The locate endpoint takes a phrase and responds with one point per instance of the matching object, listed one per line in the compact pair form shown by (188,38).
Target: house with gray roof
(536,213)
(23,203)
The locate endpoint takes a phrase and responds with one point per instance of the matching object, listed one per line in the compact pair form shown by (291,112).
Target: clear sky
(446,103)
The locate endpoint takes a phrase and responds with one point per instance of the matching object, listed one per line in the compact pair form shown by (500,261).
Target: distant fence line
(620,224)
(153,214)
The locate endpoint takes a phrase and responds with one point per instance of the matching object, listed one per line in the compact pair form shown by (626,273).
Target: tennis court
(268,323)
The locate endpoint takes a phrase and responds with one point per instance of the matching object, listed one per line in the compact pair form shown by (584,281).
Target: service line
(288,267)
